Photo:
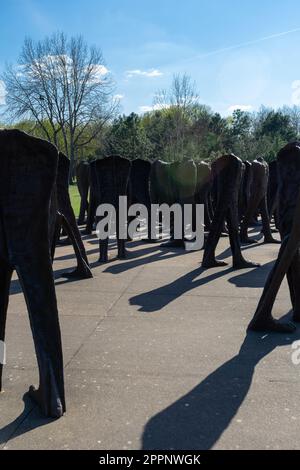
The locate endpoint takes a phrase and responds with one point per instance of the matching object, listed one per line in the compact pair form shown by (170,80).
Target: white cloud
(98,71)
(118,97)
(155,107)
(296,92)
(2,93)
(242,107)
(152,73)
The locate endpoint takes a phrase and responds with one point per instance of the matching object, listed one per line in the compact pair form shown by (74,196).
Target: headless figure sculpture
(288,261)
(183,181)
(139,188)
(66,219)
(227,171)
(161,191)
(258,202)
(27,177)
(112,174)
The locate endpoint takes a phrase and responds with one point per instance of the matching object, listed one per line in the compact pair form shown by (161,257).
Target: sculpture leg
(83,270)
(122,254)
(55,236)
(238,261)
(92,207)
(293,276)
(266,229)
(250,213)
(36,277)
(103,251)
(5,277)
(209,258)
(69,224)
(263,320)
(207,218)
(103,243)
(83,208)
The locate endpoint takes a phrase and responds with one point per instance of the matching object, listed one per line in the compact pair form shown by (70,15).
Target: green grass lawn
(75,198)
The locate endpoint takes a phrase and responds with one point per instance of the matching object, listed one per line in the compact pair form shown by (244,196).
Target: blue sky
(240,52)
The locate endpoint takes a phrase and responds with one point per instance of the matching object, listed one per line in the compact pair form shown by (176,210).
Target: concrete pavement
(157,356)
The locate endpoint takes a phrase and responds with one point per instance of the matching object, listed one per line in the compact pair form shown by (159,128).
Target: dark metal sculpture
(174,183)
(202,192)
(272,196)
(83,183)
(245,189)
(258,202)
(27,176)
(66,220)
(93,199)
(139,188)
(227,171)
(110,177)
(288,261)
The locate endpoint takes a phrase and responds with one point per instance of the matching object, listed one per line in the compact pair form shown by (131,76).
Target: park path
(156,356)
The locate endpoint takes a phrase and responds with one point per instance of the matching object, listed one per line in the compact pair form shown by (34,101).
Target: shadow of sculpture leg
(197,420)
(36,278)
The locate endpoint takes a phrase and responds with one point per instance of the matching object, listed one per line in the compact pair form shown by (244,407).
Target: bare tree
(64,87)
(180,100)
(181,95)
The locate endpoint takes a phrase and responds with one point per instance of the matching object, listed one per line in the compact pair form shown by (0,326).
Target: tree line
(61,90)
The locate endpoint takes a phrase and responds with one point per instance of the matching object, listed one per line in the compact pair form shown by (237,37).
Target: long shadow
(15,286)
(248,279)
(137,258)
(156,299)
(227,252)
(198,419)
(73,256)
(16,427)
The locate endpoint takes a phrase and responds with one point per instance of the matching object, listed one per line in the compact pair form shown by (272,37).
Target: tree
(240,124)
(275,124)
(64,87)
(128,138)
(179,101)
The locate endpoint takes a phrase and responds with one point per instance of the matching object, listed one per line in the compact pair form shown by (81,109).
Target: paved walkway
(156,356)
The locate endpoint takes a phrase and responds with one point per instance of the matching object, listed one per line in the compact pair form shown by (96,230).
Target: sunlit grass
(75,198)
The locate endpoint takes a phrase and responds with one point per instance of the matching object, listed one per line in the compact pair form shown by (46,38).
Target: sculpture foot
(54,409)
(272,240)
(150,240)
(213,263)
(244,264)
(78,273)
(271,325)
(173,244)
(248,241)
(122,255)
